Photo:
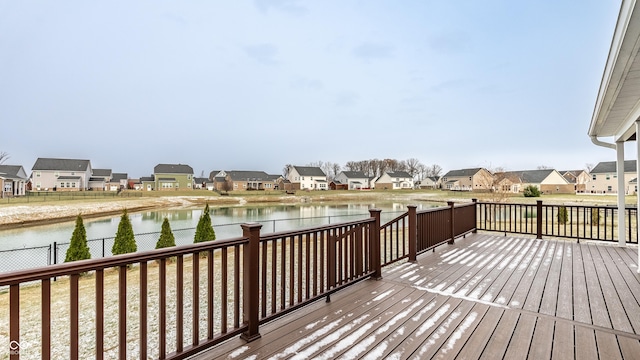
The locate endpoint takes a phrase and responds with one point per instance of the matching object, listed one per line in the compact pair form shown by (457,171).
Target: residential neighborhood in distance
(53,174)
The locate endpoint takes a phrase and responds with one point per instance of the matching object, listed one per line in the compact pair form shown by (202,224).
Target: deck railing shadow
(173,303)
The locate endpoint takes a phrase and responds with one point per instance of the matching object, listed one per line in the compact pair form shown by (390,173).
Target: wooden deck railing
(172,303)
(570,221)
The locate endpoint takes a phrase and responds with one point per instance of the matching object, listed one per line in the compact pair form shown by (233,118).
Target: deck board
(542,342)
(563,341)
(479,338)
(484,297)
(615,309)
(581,304)
(564,306)
(599,312)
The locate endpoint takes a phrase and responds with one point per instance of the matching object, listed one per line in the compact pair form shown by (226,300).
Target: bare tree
(336,169)
(589,167)
(227,185)
(286,170)
(433,170)
(413,166)
(4,156)
(544,167)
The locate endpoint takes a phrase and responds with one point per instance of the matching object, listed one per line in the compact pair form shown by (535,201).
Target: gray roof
(201,180)
(101,172)
(309,171)
(242,175)
(69,178)
(399,174)
(355,174)
(462,172)
(172,169)
(572,172)
(529,176)
(610,167)
(10,171)
(146,178)
(119,176)
(61,164)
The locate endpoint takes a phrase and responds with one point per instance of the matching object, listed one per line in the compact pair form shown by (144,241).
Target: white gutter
(594,139)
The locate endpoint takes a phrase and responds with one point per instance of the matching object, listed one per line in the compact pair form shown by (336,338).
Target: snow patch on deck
(239,351)
(457,335)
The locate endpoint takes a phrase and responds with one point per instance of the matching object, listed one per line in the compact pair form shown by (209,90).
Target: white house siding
(607,183)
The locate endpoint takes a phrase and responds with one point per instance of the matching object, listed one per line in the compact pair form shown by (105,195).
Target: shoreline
(23,215)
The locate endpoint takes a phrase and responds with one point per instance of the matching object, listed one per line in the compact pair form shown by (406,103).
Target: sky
(258,84)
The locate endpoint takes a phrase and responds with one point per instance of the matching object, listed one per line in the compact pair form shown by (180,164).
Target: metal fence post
(413,233)
(475,216)
(102,247)
(539,219)
(453,233)
(374,250)
(251,281)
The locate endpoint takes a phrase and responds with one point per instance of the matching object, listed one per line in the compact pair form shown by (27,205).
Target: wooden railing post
(413,232)
(475,215)
(251,281)
(374,238)
(453,233)
(539,219)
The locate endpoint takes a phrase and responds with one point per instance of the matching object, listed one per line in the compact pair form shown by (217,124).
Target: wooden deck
(486,297)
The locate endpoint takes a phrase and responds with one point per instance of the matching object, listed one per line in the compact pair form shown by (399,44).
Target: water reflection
(273,218)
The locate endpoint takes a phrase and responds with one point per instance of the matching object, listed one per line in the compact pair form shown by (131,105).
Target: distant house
(354,180)
(244,180)
(604,178)
(147,183)
(100,179)
(173,177)
(203,183)
(337,185)
(548,181)
(119,181)
(579,179)
(13,181)
(431,182)
(307,178)
(61,174)
(394,181)
(474,179)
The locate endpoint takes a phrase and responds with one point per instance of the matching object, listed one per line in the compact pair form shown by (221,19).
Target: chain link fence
(55,253)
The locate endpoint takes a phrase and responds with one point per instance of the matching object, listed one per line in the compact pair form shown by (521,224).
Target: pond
(32,246)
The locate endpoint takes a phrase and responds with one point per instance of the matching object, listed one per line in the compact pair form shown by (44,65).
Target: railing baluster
(46,318)
(14,321)
(210,295)
(224,291)
(162,302)
(236,285)
(99,314)
(179,303)
(263,280)
(283,271)
(143,309)
(307,268)
(73,316)
(300,264)
(122,312)
(274,276)
(195,299)
(292,274)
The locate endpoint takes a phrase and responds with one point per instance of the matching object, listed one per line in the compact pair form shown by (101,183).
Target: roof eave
(622,54)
